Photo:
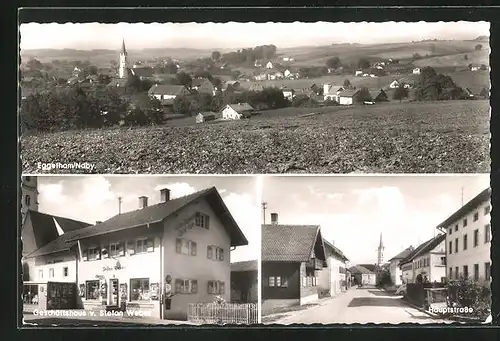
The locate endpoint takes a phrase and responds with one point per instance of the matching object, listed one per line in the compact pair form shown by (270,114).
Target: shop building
(181,245)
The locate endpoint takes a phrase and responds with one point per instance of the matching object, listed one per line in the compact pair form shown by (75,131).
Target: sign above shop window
(117,266)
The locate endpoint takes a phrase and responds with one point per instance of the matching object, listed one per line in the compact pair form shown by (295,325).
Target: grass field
(434,137)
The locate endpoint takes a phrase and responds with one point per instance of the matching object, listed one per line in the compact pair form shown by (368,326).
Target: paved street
(361,306)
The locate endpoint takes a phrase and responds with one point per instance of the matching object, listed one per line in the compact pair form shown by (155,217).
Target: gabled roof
(403,254)
(142,71)
(349,93)
(375,93)
(469,206)
(45,229)
(358,269)
(290,243)
(241,107)
(423,248)
(370,267)
(249,265)
(150,215)
(166,89)
(331,249)
(333,89)
(206,113)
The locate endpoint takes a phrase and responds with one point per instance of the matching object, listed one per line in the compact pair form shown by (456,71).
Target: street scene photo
(254,98)
(129,250)
(376,249)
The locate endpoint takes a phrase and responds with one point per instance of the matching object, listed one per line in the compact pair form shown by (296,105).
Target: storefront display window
(92,290)
(139,289)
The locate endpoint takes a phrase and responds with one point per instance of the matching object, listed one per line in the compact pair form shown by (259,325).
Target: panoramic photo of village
(376,249)
(206,98)
(110,251)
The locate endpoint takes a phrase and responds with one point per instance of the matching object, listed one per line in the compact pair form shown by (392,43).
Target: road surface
(361,306)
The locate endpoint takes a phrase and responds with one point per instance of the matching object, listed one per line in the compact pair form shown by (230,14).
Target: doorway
(114,292)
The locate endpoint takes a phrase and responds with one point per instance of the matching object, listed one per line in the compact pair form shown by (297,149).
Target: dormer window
(202,220)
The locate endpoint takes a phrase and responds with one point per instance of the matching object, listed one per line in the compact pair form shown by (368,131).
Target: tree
(216,56)
(466,57)
(333,63)
(363,63)
(184,79)
(478,47)
(92,70)
(363,95)
(416,56)
(400,93)
(485,93)
(185,105)
(347,83)
(34,64)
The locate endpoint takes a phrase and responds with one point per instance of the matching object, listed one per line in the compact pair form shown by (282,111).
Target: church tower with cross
(380,252)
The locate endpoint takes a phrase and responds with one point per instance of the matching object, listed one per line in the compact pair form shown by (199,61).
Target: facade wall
(430,265)
(229,114)
(331,277)
(395,271)
(345,100)
(198,267)
(308,284)
(369,279)
(479,254)
(59,267)
(273,297)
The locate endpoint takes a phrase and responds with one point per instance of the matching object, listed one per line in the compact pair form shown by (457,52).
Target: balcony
(314,263)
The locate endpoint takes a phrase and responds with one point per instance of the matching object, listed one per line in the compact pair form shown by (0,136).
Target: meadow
(416,137)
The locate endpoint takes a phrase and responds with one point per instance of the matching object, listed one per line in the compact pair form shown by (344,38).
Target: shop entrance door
(114,292)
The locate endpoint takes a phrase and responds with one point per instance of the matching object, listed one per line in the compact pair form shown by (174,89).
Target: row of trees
(248,55)
(430,85)
(74,108)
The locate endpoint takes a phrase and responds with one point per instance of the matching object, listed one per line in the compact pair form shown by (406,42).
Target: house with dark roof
(468,239)
(167,93)
(203,85)
(426,263)
(205,116)
(362,275)
(378,95)
(237,111)
(394,269)
(333,276)
(244,281)
(179,245)
(292,256)
(142,72)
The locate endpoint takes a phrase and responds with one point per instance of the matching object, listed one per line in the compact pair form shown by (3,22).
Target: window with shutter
(209,252)
(278,281)
(271,281)
(178,286)
(222,288)
(207,222)
(194,286)
(221,254)
(210,287)
(178,245)
(193,249)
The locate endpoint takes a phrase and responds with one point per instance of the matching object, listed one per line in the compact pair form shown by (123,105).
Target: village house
(205,117)
(256,87)
(269,65)
(244,281)
(261,77)
(203,85)
(132,257)
(358,73)
(231,86)
(416,71)
(288,59)
(475,67)
(331,92)
(257,63)
(394,84)
(468,239)
(288,93)
(333,276)
(348,97)
(426,262)
(394,269)
(237,111)
(166,93)
(292,256)
(142,72)
(363,276)
(287,73)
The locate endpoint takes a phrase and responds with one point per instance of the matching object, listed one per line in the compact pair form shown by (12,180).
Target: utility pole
(264,207)
(119,205)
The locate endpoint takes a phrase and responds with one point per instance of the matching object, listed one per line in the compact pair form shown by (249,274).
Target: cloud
(52,193)
(337,197)
(177,189)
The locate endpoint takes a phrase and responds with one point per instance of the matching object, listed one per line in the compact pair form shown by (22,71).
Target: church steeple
(380,256)
(123,70)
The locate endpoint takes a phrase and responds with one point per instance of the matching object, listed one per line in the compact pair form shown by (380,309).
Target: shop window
(202,220)
(186,286)
(65,271)
(185,247)
(216,287)
(92,290)
(139,289)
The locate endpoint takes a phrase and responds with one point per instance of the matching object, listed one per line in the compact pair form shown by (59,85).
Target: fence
(419,293)
(225,313)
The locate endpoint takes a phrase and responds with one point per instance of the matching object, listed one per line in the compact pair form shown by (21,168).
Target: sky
(95,198)
(88,36)
(354,210)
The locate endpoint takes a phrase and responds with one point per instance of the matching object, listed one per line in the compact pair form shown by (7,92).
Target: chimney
(143,202)
(165,194)
(274,218)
